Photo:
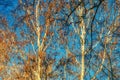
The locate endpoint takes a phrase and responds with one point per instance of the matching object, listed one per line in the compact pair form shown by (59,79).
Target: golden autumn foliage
(41,55)
(58,39)
(73,59)
(101,55)
(2,67)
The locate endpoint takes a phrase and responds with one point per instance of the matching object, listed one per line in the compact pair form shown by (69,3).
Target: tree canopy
(60,40)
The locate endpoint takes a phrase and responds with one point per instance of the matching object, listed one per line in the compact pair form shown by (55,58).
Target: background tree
(61,39)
